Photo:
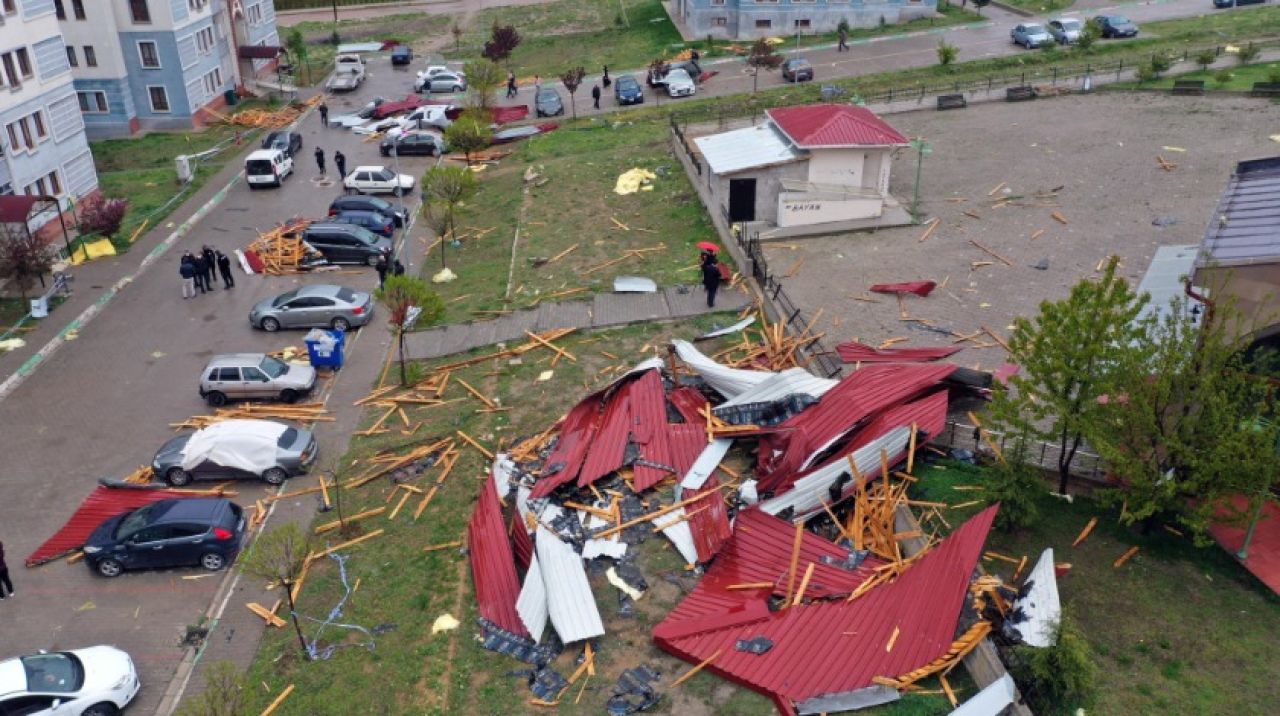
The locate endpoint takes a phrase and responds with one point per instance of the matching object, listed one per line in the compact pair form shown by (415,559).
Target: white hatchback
(377,180)
(96,681)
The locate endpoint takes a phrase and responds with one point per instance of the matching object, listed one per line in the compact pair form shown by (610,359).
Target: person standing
(710,276)
(511,84)
(844,41)
(224,268)
(381,267)
(537,84)
(397,269)
(202,273)
(324,115)
(605,80)
(5,583)
(595,95)
(340,160)
(320,160)
(187,270)
(211,261)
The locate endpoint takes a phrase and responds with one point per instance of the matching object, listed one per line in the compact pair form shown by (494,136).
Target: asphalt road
(102,404)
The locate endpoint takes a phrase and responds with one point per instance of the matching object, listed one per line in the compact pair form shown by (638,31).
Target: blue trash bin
(325,348)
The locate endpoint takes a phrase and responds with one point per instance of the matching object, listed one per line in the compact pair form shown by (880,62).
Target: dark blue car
(204,531)
(374,221)
(626,90)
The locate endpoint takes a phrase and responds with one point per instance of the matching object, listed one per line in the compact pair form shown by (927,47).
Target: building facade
(156,64)
(45,149)
(749,19)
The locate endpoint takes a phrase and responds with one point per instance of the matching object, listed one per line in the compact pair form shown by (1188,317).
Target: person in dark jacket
(381,267)
(605,80)
(202,273)
(188,272)
(210,260)
(224,268)
(511,84)
(710,276)
(340,160)
(324,115)
(320,160)
(595,95)
(5,583)
(397,269)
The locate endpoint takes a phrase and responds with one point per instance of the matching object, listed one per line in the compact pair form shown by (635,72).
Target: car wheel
(340,324)
(288,395)
(212,561)
(110,568)
(215,398)
(458,88)
(270,325)
(177,477)
(371,260)
(275,476)
(103,709)
(398,191)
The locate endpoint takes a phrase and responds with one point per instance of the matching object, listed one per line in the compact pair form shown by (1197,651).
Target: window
(763,24)
(148,54)
(37,120)
(90,57)
(254,14)
(71,56)
(24,62)
(21,134)
(9,6)
(140,12)
(802,24)
(93,102)
(204,41)
(213,82)
(77,7)
(59,10)
(197,5)
(55,186)
(159,98)
(717,2)
(720,21)
(10,70)
(251,373)
(225,374)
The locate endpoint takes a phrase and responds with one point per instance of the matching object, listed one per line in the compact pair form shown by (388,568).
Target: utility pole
(336,38)
(922,149)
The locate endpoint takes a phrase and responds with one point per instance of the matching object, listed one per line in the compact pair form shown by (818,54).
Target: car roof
(321,289)
(360,199)
(184,509)
(263,154)
(369,168)
(235,359)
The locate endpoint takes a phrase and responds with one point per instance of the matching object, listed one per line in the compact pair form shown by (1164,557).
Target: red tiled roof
(493,569)
(101,505)
(834,125)
(821,647)
(855,352)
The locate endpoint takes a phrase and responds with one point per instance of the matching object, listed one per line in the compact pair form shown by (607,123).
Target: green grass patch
(1040,6)
(11,311)
(1241,78)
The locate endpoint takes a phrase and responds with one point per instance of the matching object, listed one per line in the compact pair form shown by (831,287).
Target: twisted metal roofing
(101,505)
(493,569)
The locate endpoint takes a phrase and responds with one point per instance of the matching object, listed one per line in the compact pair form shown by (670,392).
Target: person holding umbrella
(711,275)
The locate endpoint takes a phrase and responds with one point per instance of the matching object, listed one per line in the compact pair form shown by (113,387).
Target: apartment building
(42,134)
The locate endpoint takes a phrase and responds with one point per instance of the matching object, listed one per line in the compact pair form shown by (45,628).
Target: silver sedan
(321,305)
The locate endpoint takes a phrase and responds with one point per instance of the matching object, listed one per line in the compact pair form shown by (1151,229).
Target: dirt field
(1100,149)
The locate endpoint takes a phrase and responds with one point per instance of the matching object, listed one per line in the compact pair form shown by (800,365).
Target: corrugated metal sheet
(709,521)
(501,474)
(991,700)
(570,602)
(823,647)
(609,441)
(750,148)
(855,352)
(101,505)
(688,401)
(1040,603)
(649,430)
(711,456)
(493,569)
(727,381)
(809,492)
(565,460)
(1245,227)
(834,125)
(1164,280)
(676,528)
(531,605)
(521,542)
(779,385)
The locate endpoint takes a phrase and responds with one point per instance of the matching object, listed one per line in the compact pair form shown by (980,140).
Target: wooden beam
(472,441)
(804,584)
(701,665)
(653,515)
(344,545)
(330,526)
(1085,532)
(269,617)
(548,344)
(270,709)
(1125,557)
(795,560)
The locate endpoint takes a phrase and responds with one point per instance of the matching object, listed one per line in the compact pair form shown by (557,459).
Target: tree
(223,694)
(1088,36)
(279,556)
(102,216)
(24,258)
(947,53)
(762,56)
(1060,678)
(1204,58)
(1189,424)
(503,40)
(438,217)
(1160,63)
(469,133)
(483,78)
(296,44)
(1248,53)
(445,187)
(456,31)
(572,79)
(980,4)
(1067,353)
(401,293)
(1016,484)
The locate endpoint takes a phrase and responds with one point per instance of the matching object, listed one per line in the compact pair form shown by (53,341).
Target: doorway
(742,200)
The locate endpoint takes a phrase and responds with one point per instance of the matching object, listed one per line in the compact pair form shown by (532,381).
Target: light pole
(922,148)
(336,39)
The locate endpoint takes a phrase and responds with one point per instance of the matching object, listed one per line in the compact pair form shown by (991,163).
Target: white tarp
(811,491)
(570,601)
(358,47)
(708,459)
(729,382)
(248,445)
(531,605)
(1040,604)
(502,469)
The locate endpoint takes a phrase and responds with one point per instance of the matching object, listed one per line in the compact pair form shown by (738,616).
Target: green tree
(1205,58)
(1016,484)
(1223,77)
(1061,678)
(1189,423)
(572,79)
(762,56)
(296,44)
(1088,36)
(1248,53)
(438,216)
(1067,353)
(223,694)
(947,53)
(483,78)
(401,294)
(447,186)
(468,134)
(1160,63)
(279,556)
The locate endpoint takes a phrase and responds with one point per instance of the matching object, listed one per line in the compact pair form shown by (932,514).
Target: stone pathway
(602,311)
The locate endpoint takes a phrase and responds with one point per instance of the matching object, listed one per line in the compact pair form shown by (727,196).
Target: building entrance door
(742,200)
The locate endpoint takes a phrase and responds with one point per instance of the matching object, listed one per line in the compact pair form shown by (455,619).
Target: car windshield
(547,94)
(1033,29)
(346,294)
(58,673)
(382,204)
(273,367)
(1070,24)
(135,521)
(627,83)
(283,299)
(287,437)
(1119,20)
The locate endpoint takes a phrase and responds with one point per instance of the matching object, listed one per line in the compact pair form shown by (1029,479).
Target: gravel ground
(1100,149)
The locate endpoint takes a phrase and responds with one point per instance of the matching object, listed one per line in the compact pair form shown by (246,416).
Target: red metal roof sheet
(101,505)
(521,542)
(386,109)
(834,125)
(685,442)
(919,288)
(1264,548)
(710,526)
(609,443)
(565,460)
(648,405)
(688,401)
(493,569)
(822,647)
(855,352)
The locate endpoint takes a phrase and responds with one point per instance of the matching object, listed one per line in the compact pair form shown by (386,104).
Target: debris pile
(282,250)
(281,118)
(302,413)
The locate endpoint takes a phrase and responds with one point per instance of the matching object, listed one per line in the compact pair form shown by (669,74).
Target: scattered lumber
(1126,556)
(270,618)
(281,250)
(1085,532)
(991,252)
(304,413)
(270,709)
(932,227)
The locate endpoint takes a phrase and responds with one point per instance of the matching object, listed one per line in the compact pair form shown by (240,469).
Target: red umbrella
(708,246)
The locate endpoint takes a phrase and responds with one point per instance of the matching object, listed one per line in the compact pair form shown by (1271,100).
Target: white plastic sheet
(242,444)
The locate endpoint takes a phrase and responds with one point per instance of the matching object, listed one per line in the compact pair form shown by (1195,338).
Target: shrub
(1088,36)
(1222,76)
(102,216)
(1273,75)
(1057,679)
(1248,53)
(1160,63)
(1016,485)
(1206,58)
(947,53)
(1145,73)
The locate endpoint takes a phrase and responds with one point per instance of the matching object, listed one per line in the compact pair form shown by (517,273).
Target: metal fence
(1085,465)
(320,4)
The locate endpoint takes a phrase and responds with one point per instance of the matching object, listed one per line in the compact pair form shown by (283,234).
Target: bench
(1188,88)
(1265,89)
(1020,94)
(952,101)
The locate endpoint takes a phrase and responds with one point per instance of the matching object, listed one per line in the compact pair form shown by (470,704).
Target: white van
(267,167)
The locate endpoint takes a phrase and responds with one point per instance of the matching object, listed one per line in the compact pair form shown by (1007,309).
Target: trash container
(325,348)
(231,97)
(39,307)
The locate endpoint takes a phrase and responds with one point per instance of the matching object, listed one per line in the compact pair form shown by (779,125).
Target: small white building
(810,169)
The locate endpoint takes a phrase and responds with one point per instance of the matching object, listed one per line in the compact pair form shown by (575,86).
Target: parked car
(377,180)
(1234,3)
(346,243)
(373,221)
(679,83)
(237,376)
(547,103)
(422,144)
(267,167)
(1065,30)
(432,115)
(364,202)
(797,69)
(626,90)
(232,449)
(317,305)
(94,681)
(204,531)
(657,76)
(1116,26)
(288,142)
(401,55)
(447,81)
(1030,35)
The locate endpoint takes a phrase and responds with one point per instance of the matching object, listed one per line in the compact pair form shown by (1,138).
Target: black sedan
(288,142)
(365,202)
(204,531)
(797,69)
(412,144)
(1116,26)
(626,90)
(374,221)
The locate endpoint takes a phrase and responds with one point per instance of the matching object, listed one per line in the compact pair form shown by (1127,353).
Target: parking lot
(102,405)
(1092,159)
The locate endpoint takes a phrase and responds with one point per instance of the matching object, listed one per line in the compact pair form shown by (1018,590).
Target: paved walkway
(602,311)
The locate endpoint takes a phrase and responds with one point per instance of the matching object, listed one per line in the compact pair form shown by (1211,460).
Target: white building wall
(837,166)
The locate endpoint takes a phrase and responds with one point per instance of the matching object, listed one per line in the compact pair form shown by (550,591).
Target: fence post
(1055,75)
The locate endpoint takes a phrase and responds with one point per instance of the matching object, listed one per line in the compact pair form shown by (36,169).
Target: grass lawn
(1242,78)
(12,309)
(407,28)
(1177,629)
(1040,6)
(574,207)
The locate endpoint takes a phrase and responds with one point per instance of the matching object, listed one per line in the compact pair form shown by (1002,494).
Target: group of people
(199,271)
(395,268)
(339,159)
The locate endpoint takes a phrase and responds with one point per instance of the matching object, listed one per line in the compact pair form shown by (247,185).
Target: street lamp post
(922,148)
(336,38)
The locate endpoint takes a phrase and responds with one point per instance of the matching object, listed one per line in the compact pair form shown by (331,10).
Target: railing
(1086,465)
